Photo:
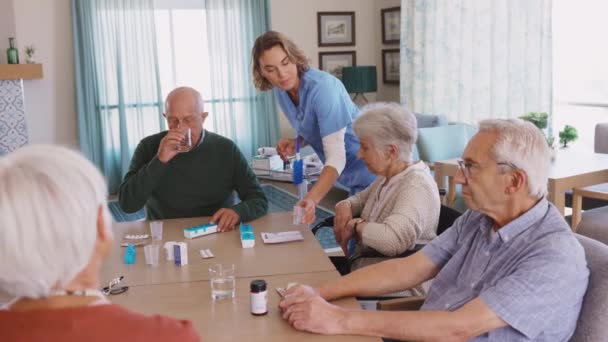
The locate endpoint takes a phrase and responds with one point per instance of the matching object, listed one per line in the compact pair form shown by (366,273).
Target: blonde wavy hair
(266,42)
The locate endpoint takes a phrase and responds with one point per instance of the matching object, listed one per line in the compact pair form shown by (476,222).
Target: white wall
(50,105)
(298,20)
(7,27)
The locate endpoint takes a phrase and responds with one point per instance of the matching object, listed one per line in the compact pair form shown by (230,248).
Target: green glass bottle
(12,54)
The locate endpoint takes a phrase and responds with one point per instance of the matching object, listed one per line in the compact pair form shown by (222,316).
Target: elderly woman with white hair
(55,230)
(402,205)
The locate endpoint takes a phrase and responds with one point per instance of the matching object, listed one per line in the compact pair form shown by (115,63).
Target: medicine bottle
(259,297)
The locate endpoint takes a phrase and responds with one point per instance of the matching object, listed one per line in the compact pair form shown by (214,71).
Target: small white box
(264,165)
(281,237)
(168,247)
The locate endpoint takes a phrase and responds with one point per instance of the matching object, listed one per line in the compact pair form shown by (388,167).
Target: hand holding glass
(185,144)
(298,214)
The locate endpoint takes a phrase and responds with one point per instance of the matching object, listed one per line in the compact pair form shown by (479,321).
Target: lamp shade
(360,79)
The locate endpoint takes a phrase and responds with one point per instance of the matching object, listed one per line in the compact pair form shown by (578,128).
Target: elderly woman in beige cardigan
(402,205)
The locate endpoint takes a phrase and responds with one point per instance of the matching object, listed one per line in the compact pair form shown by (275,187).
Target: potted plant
(567,135)
(540,120)
(29,53)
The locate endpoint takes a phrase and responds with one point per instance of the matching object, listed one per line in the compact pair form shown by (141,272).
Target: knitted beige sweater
(398,213)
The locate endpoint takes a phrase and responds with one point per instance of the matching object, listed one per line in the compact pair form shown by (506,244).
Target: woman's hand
(344,214)
(286,148)
(309,210)
(349,233)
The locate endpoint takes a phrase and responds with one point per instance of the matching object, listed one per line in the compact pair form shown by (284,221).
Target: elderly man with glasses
(189,172)
(509,269)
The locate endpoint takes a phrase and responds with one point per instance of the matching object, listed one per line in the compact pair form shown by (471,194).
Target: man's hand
(286,148)
(343,215)
(305,310)
(225,219)
(309,210)
(172,144)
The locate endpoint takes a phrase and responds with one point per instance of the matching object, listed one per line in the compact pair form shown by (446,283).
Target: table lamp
(360,80)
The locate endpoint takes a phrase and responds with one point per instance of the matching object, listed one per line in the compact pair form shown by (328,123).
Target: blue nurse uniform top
(324,108)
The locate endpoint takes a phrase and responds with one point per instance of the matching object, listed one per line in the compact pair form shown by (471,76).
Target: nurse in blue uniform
(320,110)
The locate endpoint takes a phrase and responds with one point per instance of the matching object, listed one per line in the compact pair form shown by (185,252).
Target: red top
(105,323)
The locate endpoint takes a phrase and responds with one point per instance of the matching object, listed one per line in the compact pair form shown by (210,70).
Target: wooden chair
(590,197)
(598,192)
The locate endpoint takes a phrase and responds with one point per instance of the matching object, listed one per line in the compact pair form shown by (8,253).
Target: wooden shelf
(20,71)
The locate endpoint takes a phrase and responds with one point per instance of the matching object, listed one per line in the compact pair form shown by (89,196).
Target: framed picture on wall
(334,61)
(390,66)
(391,25)
(336,28)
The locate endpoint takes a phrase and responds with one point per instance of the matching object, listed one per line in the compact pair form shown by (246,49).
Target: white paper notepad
(281,237)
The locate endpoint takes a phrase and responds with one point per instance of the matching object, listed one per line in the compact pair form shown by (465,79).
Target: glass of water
(221,277)
(156,230)
(298,215)
(186,144)
(151,253)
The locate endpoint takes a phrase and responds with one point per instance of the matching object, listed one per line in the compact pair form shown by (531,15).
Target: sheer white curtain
(475,59)
(117,83)
(206,44)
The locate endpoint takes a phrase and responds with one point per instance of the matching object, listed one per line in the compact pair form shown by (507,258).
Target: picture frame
(391,25)
(334,61)
(390,66)
(336,28)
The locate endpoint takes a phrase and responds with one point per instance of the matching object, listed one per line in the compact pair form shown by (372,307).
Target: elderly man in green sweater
(179,174)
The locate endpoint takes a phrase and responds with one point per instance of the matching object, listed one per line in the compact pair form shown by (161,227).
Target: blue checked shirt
(532,273)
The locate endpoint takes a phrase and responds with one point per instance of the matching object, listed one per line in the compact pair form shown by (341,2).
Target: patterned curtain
(474,59)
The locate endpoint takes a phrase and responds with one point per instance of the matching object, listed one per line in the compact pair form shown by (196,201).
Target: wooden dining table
(184,292)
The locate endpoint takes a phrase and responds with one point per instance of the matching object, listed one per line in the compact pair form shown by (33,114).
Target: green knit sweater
(196,183)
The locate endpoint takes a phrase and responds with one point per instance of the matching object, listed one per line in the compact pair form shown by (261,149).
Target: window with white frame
(181,34)
(580,67)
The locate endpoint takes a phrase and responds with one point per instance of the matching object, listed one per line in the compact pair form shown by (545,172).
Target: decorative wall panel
(13,128)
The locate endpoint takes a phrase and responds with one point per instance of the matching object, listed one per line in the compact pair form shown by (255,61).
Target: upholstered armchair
(591,323)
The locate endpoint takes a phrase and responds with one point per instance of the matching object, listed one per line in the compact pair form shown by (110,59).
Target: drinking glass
(151,253)
(156,230)
(221,278)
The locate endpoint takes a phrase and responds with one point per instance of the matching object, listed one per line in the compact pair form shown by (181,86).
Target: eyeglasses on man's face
(468,167)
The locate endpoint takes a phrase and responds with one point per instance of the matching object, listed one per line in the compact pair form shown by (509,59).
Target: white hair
(384,124)
(49,206)
(523,145)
